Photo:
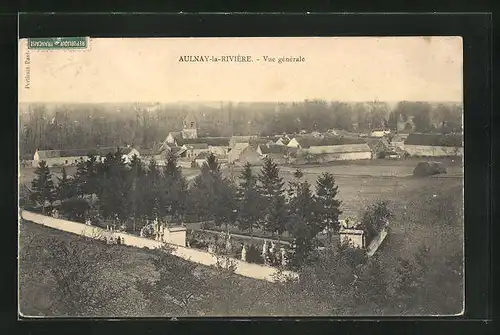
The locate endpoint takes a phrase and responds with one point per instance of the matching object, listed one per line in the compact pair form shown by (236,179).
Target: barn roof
(234,154)
(444,140)
(43,154)
(216,141)
(274,149)
(196,146)
(337,149)
(309,141)
(375,143)
(255,142)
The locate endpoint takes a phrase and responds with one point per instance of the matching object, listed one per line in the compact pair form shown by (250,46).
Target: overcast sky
(148,70)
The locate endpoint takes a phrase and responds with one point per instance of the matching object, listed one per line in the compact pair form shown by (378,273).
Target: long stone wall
(255,271)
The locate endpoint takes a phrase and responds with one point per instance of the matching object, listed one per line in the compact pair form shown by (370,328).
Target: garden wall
(242,268)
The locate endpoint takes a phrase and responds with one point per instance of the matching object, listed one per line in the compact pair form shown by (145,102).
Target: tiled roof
(343,148)
(308,141)
(196,146)
(274,149)
(255,142)
(216,141)
(202,155)
(444,140)
(80,152)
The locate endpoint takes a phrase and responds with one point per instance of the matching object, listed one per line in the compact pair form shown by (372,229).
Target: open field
(362,185)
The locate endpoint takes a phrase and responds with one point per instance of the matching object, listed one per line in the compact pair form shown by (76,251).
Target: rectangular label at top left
(58,43)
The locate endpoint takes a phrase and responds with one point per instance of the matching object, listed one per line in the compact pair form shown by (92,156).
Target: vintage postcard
(186,177)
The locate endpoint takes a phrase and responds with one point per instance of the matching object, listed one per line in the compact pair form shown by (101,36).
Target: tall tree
(327,209)
(271,189)
(137,180)
(174,190)
(42,186)
(301,223)
(152,201)
(65,187)
(115,197)
(248,200)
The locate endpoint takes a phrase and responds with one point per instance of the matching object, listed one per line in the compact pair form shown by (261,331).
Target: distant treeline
(45,126)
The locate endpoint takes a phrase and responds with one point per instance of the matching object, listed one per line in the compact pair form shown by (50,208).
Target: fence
(255,271)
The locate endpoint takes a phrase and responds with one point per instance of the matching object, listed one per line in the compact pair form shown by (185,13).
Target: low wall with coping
(255,271)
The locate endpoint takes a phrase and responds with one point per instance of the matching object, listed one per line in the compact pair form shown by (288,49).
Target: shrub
(424,169)
(375,218)
(254,254)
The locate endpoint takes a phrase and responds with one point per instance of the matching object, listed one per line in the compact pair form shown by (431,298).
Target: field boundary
(255,271)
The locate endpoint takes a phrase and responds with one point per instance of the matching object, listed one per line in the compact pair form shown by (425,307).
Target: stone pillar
(244,253)
(284,261)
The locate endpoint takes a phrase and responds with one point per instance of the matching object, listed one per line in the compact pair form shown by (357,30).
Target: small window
(66,162)
(192,124)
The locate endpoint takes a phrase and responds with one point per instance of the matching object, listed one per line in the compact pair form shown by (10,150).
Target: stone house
(242,153)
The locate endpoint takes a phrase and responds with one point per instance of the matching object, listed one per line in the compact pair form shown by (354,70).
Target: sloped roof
(274,149)
(216,141)
(337,149)
(284,140)
(444,140)
(373,143)
(202,155)
(196,146)
(255,142)
(309,141)
(236,151)
(81,152)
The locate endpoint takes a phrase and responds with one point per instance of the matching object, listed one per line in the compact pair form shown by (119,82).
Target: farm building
(201,158)
(243,153)
(397,141)
(256,141)
(193,149)
(239,139)
(379,146)
(283,140)
(219,146)
(160,155)
(379,133)
(434,145)
(330,149)
(280,154)
(73,156)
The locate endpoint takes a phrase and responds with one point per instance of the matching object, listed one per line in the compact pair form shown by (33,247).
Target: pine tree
(301,222)
(152,201)
(137,190)
(65,188)
(115,195)
(42,186)
(327,209)
(174,188)
(274,211)
(248,200)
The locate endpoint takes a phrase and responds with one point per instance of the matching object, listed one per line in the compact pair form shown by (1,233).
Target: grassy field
(362,185)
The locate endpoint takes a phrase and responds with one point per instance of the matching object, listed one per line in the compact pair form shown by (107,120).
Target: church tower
(189,128)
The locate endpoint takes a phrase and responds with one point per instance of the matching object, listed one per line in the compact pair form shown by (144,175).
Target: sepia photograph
(240,177)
